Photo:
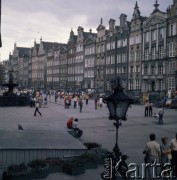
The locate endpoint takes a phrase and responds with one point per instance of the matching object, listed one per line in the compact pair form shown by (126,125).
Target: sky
(23,21)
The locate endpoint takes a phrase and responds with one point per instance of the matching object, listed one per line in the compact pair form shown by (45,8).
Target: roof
(23,51)
(51,45)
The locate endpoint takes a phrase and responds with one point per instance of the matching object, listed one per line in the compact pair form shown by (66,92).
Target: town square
(88,89)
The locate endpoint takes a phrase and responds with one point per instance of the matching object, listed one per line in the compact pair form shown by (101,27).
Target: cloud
(24,20)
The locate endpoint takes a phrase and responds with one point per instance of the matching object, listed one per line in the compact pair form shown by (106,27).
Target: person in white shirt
(101,102)
(74,126)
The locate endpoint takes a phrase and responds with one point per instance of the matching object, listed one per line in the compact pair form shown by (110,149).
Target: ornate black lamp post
(118,104)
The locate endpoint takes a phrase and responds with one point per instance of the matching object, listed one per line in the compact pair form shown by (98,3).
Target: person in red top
(70,122)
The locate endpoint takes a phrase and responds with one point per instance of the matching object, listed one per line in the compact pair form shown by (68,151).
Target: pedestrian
(165,151)
(173,146)
(152,154)
(86,99)
(56,97)
(96,103)
(160,112)
(152,150)
(78,131)
(101,102)
(80,104)
(37,109)
(31,101)
(70,122)
(45,102)
(75,101)
(146,108)
(150,109)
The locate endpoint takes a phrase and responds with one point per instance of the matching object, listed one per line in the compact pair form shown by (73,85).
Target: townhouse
(142,52)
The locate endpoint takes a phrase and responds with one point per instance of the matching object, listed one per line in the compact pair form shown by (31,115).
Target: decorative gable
(89,40)
(41,49)
(154,20)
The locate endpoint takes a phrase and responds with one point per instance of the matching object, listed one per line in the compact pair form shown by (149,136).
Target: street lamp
(118,104)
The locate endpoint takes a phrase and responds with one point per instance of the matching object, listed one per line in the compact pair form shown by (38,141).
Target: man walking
(160,113)
(80,104)
(37,109)
(152,154)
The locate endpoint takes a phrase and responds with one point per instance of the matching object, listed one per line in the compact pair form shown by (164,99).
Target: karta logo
(133,171)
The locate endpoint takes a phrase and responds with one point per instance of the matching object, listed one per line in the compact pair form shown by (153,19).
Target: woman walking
(37,109)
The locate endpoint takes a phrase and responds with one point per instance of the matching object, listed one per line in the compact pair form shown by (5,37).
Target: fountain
(9,98)
(10,84)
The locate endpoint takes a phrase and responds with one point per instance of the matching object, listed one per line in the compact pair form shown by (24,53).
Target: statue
(11,75)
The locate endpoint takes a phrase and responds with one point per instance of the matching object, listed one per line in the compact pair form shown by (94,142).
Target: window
(131,69)
(112,60)
(102,48)
(146,54)
(172,29)
(119,70)
(112,45)
(108,60)
(145,70)
(124,42)
(124,57)
(138,56)
(154,35)
(171,83)
(132,56)
(153,53)
(152,70)
(138,39)
(171,49)
(132,40)
(147,37)
(124,70)
(137,69)
(171,67)
(137,84)
(119,58)
(160,69)
(119,43)
(130,84)
(108,46)
(161,52)
(161,33)
(160,83)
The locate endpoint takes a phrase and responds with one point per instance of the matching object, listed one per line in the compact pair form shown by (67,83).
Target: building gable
(154,19)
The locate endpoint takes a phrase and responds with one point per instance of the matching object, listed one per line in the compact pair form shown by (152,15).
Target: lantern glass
(111,109)
(121,109)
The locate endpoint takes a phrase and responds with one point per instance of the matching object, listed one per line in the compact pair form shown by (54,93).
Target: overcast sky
(22,21)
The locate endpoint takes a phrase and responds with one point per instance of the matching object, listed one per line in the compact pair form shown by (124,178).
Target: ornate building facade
(154,58)
(172,46)
(142,52)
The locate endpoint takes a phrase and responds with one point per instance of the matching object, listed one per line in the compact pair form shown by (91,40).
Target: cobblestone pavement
(133,134)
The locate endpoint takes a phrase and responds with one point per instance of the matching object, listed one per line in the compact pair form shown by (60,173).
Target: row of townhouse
(143,52)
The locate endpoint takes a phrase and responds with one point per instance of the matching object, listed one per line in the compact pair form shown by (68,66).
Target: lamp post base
(116,149)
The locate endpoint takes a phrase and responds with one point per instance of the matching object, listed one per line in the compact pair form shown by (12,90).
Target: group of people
(77,102)
(38,97)
(163,153)
(72,123)
(149,111)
